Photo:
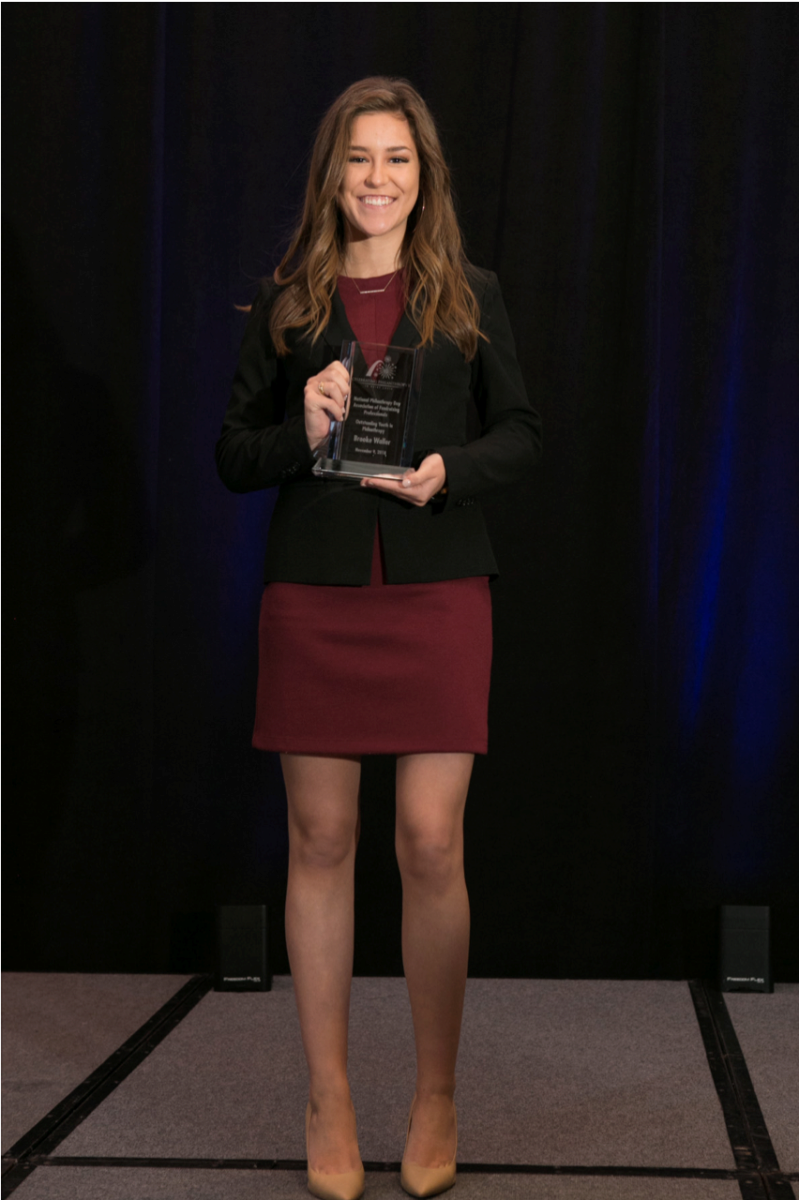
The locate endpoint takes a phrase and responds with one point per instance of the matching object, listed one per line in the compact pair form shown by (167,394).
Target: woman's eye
(360,158)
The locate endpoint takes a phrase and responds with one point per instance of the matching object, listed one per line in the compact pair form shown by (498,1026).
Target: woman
(375,632)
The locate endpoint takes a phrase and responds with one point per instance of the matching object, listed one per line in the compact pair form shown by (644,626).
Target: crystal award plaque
(376,435)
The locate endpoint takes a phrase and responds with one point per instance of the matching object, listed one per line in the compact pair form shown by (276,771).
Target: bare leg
(323,832)
(431,796)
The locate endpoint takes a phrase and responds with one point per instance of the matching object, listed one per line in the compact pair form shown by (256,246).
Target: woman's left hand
(417,487)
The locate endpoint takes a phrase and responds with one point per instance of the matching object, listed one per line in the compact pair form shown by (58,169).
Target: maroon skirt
(394,669)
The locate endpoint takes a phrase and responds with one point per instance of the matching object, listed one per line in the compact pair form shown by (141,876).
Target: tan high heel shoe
(426,1181)
(346,1185)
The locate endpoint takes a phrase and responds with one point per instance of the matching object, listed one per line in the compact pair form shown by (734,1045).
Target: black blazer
(476,415)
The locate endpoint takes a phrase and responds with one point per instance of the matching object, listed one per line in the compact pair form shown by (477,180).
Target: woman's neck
(365,260)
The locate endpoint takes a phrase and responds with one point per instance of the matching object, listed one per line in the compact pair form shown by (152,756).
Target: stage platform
(151,1087)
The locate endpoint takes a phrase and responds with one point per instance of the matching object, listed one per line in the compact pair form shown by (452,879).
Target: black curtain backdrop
(630,171)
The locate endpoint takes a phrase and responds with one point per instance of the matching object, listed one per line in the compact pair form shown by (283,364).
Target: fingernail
(406,483)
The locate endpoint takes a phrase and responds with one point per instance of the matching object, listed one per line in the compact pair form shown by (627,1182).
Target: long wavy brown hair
(438,295)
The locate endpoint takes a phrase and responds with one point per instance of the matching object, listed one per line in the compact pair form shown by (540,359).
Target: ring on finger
(322,389)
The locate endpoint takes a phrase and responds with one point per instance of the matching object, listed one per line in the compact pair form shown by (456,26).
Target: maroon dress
(385,669)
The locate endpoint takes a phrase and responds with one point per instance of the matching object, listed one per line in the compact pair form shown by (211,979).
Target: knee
(322,845)
(432,858)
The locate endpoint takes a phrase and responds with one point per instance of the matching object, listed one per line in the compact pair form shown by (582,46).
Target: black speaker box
(745,948)
(242,951)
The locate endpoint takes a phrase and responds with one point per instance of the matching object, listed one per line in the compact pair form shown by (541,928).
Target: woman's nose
(376,174)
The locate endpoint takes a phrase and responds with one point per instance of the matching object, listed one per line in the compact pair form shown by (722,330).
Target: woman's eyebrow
(389,149)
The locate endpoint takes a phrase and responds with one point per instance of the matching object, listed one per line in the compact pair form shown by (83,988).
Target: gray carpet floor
(565,1073)
(768,1030)
(58,1028)
(575,1072)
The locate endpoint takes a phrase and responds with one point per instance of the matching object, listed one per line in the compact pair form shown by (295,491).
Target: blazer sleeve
(510,443)
(259,445)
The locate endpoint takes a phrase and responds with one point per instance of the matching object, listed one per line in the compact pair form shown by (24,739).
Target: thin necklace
(372,291)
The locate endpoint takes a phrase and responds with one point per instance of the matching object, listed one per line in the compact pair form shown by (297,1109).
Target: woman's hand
(417,487)
(326,396)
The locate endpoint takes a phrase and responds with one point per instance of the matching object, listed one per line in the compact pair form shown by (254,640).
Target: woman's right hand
(326,396)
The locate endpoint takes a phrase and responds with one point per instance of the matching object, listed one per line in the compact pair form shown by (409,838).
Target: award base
(330,468)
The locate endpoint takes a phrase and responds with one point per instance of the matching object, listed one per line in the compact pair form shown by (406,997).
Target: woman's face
(381,179)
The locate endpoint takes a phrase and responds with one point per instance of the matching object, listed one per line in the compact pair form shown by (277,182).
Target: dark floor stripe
(465,1168)
(751,1144)
(74,1108)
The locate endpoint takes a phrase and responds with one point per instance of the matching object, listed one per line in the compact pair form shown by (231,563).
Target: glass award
(376,436)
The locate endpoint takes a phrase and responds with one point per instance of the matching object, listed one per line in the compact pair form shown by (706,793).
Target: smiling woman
(375,633)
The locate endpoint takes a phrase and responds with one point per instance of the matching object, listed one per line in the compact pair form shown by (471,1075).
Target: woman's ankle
(322,1093)
(434,1090)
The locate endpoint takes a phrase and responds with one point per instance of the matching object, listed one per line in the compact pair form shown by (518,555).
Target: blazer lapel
(406,332)
(338,328)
